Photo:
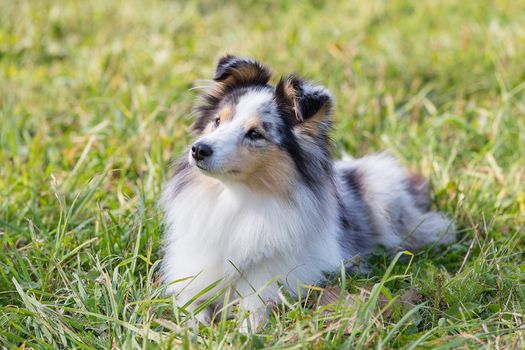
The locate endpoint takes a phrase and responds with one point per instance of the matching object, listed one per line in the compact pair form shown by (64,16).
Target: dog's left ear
(306,105)
(235,71)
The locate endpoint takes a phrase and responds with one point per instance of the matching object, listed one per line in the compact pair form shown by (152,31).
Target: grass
(94,99)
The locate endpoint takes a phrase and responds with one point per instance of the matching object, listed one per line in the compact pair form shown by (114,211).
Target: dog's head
(250,131)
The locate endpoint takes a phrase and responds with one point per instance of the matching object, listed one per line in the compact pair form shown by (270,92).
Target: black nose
(199,151)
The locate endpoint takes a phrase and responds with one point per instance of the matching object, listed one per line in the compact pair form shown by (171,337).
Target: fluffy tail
(424,227)
(427,228)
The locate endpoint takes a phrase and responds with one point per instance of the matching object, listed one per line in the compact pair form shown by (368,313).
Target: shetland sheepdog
(256,203)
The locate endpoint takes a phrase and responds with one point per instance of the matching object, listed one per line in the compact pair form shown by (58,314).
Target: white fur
(227,232)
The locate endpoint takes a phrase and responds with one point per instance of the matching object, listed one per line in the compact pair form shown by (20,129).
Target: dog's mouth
(205,169)
(209,171)
(201,167)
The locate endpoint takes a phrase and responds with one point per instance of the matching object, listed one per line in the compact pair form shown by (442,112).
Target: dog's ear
(231,72)
(306,105)
(235,71)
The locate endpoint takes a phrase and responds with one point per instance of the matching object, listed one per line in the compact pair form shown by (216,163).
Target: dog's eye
(254,134)
(217,122)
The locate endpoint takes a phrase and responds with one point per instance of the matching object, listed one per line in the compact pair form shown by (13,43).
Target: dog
(257,204)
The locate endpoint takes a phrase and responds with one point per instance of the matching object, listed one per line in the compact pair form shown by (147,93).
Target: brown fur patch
(316,124)
(291,94)
(254,123)
(233,71)
(274,174)
(269,171)
(418,187)
(292,98)
(226,113)
(216,92)
(245,73)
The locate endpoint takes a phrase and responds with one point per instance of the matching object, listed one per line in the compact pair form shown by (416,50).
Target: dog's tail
(424,227)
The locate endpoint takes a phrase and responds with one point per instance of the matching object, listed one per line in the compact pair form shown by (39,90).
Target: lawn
(95,102)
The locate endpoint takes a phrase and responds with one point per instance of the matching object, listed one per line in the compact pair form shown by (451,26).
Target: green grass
(94,104)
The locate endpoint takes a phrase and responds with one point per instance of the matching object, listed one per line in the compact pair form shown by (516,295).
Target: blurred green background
(95,101)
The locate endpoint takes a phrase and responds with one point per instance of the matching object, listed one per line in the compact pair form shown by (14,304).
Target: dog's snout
(199,151)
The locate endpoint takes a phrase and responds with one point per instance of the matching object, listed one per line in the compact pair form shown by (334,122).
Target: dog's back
(392,207)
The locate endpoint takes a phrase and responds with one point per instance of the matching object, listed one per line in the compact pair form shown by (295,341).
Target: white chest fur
(226,231)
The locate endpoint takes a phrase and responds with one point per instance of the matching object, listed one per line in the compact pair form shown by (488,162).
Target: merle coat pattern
(256,203)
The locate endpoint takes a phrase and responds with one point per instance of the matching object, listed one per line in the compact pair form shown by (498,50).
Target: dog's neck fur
(236,229)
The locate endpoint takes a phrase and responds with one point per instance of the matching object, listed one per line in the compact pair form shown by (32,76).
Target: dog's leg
(258,313)
(194,317)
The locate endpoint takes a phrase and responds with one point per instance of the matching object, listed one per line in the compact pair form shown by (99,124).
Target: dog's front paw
(254,321)
(193,319)
(205,316)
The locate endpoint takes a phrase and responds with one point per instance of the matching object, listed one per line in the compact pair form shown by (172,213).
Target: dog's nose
(199,151)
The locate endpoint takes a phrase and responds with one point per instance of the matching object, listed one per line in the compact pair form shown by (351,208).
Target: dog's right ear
(234,71)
